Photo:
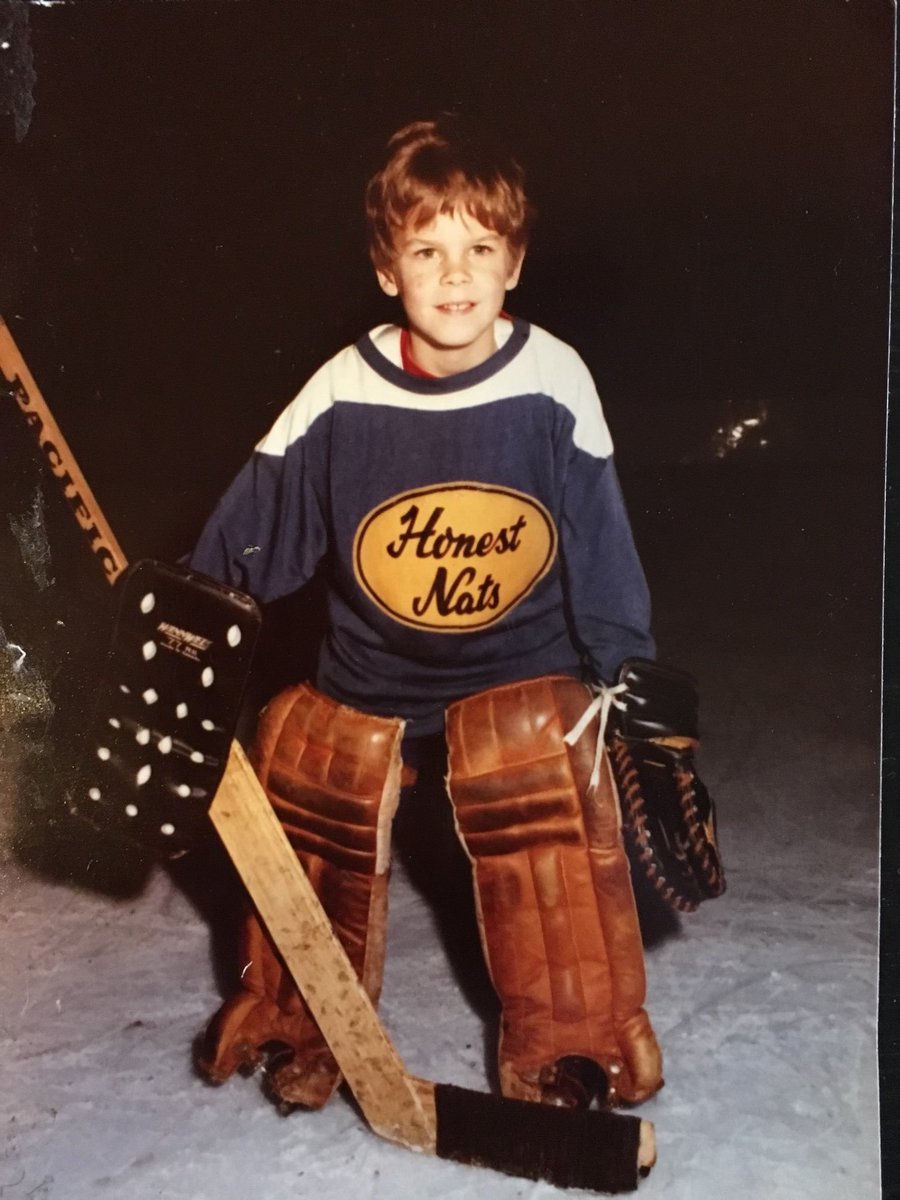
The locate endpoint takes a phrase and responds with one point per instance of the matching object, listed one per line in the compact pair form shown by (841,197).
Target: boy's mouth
(457,306)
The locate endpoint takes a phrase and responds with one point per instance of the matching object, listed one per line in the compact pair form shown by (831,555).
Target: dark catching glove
(668,814)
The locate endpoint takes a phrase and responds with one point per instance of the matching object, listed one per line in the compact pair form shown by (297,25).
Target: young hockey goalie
(453,477)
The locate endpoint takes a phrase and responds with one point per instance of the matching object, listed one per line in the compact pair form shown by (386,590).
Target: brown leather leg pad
(332,776)
(556,909)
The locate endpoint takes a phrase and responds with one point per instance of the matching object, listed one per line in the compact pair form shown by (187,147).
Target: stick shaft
(60,458)
(397,1106)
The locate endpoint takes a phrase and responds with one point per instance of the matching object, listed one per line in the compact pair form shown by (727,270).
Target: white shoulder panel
(312,401)
(553,368)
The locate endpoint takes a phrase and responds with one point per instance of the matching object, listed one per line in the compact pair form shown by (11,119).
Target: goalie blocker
(166,708)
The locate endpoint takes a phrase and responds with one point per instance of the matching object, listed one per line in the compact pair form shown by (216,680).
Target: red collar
(409,363)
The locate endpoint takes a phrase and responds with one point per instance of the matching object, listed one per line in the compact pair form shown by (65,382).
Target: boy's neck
(450,362)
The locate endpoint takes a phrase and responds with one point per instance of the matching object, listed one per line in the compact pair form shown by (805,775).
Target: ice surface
(763,1001)
(765,1013)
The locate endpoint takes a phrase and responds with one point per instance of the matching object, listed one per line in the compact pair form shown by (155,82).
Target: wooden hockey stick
(596,1150)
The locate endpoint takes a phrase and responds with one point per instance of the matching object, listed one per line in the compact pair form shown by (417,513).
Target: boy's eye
(424,252)
(483,248)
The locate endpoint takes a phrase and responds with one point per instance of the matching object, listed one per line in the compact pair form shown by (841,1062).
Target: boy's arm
(608,596)
(268,532)
(609,603)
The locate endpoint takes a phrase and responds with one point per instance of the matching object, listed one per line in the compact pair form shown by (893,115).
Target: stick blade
(568,1147)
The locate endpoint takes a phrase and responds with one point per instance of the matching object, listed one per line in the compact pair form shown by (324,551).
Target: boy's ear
(386,282)
(515,272)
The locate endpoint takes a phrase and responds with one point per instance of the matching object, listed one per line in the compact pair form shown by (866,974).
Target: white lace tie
(604,697)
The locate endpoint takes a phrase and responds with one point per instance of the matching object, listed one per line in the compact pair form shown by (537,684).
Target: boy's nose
(455,271)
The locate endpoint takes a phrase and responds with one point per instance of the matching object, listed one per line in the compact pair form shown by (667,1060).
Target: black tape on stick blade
(568,1147)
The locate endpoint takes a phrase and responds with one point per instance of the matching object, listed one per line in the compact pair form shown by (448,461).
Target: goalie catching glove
(669,815)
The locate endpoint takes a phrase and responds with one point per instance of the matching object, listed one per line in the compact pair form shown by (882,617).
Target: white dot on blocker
(148,650)
(131,810)
(183,791)
(207,676)
(208,725)
(164,745)
(196,756)
(144,774)
(167,829)
(142,737)
(147,602)
(94,793)
(102,753)
(150,696)
(181,711)
(115,722)
(126,691)
(233,636)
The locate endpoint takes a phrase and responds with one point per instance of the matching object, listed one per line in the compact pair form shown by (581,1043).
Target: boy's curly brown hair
(440,166)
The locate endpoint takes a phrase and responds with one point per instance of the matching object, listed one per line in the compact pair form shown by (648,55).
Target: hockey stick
(596,1150)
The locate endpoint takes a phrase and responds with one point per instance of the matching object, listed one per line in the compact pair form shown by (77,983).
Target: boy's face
(452,276)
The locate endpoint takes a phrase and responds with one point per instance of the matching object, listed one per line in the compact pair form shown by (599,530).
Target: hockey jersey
(471,528)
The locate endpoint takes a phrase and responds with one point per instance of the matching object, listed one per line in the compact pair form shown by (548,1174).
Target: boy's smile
(452,276)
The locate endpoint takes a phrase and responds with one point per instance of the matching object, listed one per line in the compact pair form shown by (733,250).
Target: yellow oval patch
(454,557)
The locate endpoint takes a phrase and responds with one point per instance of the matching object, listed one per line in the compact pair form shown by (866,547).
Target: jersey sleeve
(269,531)
(606,590)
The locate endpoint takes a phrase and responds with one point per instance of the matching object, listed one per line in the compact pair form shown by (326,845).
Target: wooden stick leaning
(524,1139)
(396,1105)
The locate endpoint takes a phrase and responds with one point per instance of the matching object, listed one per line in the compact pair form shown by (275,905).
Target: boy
(454,479)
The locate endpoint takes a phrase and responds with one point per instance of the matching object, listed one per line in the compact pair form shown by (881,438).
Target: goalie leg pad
(556,910)
(333,777)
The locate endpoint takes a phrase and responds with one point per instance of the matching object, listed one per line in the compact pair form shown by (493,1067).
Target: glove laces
(604,698)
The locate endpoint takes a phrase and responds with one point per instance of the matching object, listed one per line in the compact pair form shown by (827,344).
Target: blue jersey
(471,528)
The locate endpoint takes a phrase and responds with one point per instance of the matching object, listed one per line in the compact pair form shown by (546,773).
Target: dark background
(184,243)
(181,245)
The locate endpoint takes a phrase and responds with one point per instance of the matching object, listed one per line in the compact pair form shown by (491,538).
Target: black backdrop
(183,243)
